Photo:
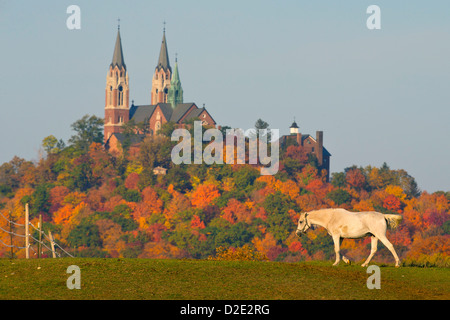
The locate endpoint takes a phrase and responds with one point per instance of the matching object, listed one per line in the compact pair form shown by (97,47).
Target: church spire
(118,53)
(175,94)
(163,61)
(162,76)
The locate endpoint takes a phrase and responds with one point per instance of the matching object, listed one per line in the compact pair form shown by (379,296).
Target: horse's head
(303,224)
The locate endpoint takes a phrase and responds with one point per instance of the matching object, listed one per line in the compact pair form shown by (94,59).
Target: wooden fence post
(11,234)
(52,243)
(40,236)
(27,240)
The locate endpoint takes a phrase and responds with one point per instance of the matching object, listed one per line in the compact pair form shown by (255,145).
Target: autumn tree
(203,195)
(355,178)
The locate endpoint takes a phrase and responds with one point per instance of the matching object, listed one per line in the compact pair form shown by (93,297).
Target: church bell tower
(162,76)
(117,92)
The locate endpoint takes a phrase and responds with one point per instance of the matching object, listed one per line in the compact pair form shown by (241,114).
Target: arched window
(157,126)
(120,100)
(110,96)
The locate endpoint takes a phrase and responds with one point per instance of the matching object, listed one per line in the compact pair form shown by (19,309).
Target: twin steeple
(166,88)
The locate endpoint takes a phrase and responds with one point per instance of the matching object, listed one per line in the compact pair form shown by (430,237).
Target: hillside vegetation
(98,204)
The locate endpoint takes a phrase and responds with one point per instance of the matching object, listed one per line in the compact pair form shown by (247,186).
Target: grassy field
(211,280)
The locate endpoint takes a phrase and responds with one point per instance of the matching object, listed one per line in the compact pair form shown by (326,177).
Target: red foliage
(196,223)
(355,178)
(392,203)
(131,182)
(235,211)
(57,195)
(296,246)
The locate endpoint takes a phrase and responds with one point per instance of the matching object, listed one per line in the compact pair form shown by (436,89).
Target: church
(166,98)
(167,104)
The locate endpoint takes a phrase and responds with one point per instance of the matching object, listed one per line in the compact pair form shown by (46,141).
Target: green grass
(224,280)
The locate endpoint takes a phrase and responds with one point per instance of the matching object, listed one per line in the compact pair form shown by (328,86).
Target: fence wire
(32,238)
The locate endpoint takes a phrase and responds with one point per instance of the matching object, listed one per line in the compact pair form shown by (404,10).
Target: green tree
(85,234)
(278,221)
(40,199)
(88,129)
(338,179)
(179,178)
(261,125)
(49,144)
(339,196)
(245,176)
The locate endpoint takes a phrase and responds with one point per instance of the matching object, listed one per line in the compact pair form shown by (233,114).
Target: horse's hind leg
(344,258)
(374,244)
(337,242)
(389,245)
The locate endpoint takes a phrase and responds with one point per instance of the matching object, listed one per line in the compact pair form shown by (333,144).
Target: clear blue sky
(379,96)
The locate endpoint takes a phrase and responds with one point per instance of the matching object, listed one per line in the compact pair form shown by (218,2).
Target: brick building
(313,146)
(166,98)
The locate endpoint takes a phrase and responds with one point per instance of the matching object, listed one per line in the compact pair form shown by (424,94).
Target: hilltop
(97,204)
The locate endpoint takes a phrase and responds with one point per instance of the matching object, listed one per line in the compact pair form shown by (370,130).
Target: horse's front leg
(337,242)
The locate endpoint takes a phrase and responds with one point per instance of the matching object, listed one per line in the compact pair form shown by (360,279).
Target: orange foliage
(203,195)
(433,245)
(260,212)
(196,223)
(319,188)
(294,216)
(363,205)
(235,211)
(66,214)
(392,203)
(57,195)
(307,174)
(161,250)
(178,204)
(290,188)
(400,236)
(268,246)
(110,233)
(113,202)
(150,204)
(308,202)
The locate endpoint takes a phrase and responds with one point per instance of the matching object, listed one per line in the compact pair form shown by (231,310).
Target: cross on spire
(164,28)
(118,23)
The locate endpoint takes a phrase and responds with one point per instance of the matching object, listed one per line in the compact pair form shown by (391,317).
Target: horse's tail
(393,220)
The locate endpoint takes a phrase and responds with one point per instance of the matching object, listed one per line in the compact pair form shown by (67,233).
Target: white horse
(341,224)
